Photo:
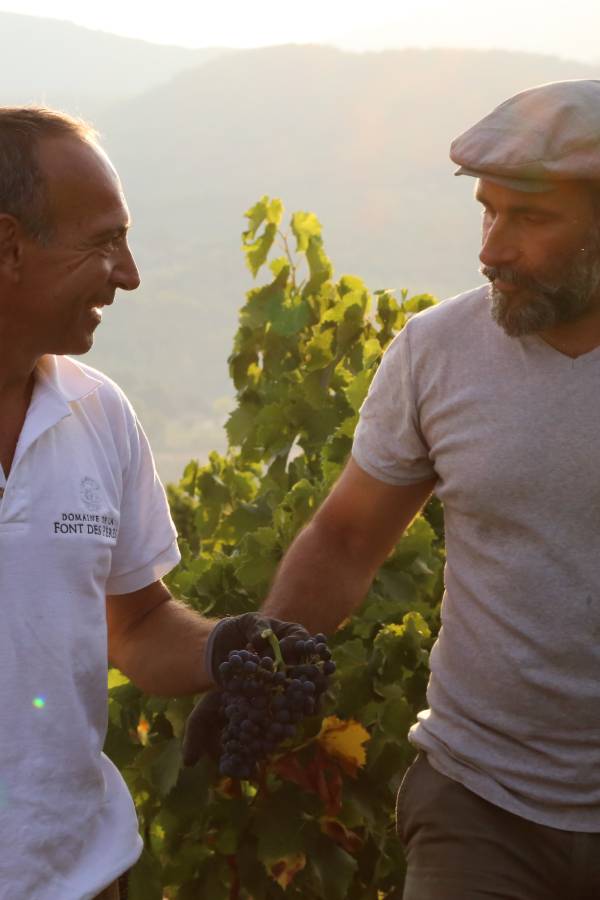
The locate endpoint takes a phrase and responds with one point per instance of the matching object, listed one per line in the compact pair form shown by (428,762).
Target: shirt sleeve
(146,547)
(388,443)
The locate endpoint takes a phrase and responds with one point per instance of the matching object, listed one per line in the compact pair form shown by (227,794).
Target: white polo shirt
(83,514)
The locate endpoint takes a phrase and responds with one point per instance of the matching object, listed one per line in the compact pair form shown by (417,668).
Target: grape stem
(269,635)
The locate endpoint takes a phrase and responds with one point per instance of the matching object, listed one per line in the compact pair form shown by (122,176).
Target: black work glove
(205,722)
(203,729)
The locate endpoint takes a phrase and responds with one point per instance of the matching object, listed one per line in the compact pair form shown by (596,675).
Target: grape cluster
(263,702)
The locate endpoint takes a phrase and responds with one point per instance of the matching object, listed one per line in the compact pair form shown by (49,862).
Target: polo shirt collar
(65,377)
(59,381)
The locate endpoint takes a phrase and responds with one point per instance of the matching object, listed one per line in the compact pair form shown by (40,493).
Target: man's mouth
(505,287)
(96,309)
(509,282)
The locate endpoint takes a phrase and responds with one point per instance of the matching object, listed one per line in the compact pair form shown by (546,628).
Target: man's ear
(11,246)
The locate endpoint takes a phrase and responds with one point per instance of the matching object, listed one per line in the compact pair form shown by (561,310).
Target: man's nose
(125,273)
(499,245)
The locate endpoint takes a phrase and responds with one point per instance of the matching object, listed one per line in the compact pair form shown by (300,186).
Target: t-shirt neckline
(571,362)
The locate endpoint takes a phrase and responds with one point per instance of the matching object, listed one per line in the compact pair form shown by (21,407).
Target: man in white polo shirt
(491,399)
(85,530)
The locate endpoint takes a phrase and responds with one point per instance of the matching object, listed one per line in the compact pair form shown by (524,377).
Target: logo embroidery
(97,520)
(91,494)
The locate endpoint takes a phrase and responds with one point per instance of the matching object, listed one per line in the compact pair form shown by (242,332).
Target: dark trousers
(460,847)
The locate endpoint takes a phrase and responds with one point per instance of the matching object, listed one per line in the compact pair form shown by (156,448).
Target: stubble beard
(569,294)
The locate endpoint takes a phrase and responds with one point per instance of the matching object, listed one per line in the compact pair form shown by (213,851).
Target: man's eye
(112,243)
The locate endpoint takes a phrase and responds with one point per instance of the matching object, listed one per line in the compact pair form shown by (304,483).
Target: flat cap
(540,136)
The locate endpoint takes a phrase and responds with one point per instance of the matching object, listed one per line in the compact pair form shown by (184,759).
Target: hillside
(65,65)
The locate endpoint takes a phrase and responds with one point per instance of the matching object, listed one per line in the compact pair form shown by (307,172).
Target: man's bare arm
(158,642)
(328,569)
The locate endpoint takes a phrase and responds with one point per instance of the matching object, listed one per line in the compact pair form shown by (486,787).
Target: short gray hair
(23,190)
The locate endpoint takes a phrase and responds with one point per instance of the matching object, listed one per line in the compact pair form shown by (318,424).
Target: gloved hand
(203,727)
(236,632)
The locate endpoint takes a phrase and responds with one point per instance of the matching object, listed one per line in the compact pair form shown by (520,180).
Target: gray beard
(574,293)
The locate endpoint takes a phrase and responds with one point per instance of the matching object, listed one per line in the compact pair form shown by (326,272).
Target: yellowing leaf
(142,730)
(284,870)
(116,678)
(344,740)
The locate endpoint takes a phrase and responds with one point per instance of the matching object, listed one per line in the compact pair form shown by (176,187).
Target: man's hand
(205,722)
(203,729)
(237,632)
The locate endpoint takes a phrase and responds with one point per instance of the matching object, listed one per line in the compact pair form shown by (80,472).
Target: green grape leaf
(319,266)
(334,869)
(290,317)
(241,422)
(257,558)
(357,389)
(304,227)
(258,250)
(144,882)
(256,215)
(275,211)
(165,767)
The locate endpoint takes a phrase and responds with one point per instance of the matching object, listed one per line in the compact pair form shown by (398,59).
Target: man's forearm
(320,582)
(163,654)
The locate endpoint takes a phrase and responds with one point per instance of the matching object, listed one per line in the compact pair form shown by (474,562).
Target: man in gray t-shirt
(491,399)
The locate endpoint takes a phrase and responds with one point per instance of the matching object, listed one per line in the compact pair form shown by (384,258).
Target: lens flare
(39,702)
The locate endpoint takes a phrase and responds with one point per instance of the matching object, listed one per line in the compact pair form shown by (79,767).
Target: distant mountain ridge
(62,64)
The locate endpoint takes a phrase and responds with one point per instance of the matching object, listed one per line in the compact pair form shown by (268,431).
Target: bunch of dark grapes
(263,702)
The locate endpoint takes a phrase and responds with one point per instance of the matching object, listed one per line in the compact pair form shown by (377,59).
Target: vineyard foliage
(320,821)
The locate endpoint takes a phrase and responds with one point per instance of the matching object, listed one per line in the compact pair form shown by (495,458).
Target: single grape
(224,669)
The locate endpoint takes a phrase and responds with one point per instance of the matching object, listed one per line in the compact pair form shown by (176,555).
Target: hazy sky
(567,30)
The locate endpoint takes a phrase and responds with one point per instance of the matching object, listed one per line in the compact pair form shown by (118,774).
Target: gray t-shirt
(511,428)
